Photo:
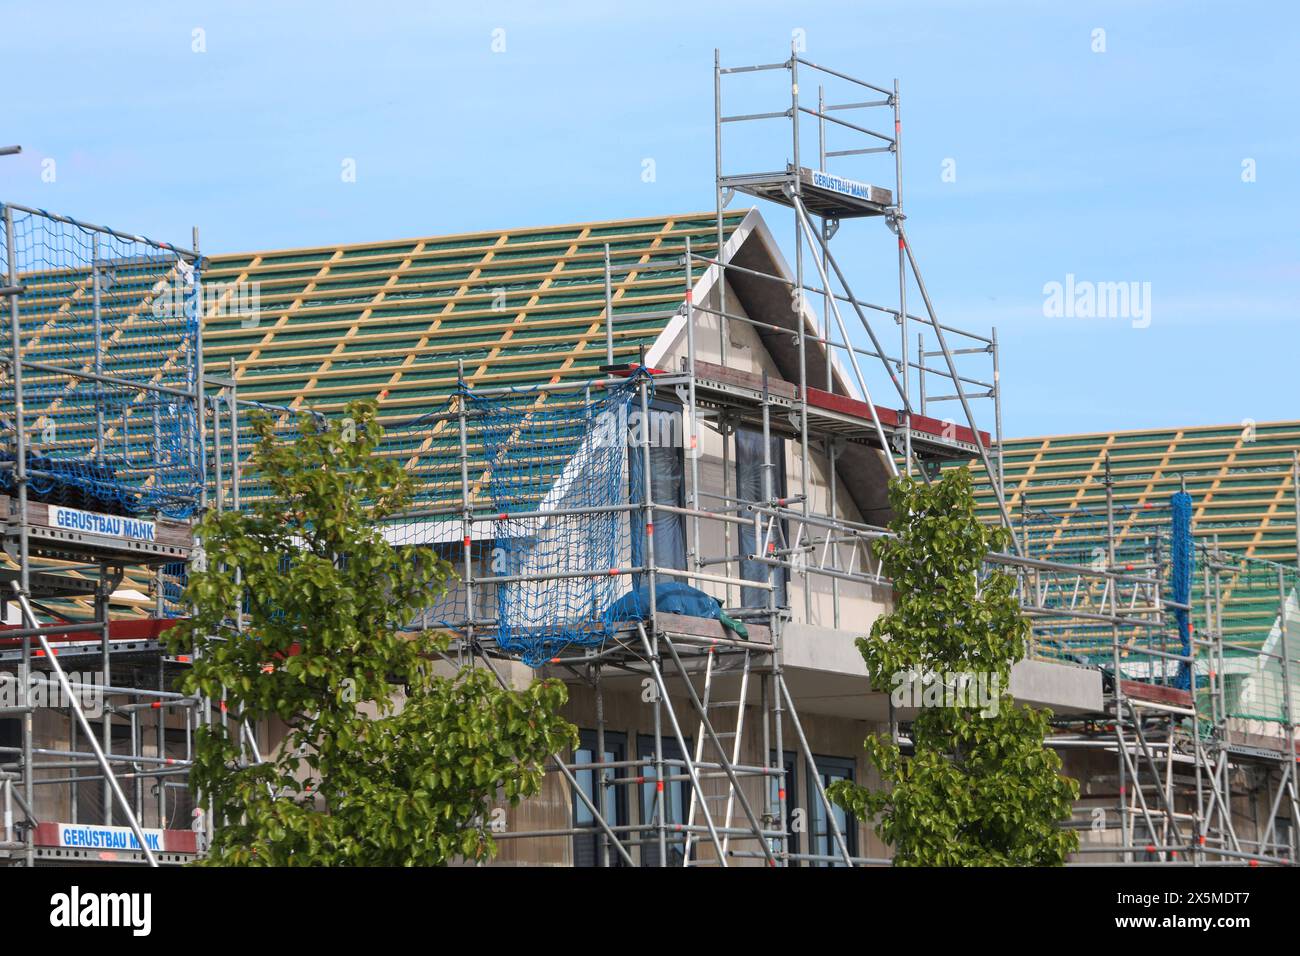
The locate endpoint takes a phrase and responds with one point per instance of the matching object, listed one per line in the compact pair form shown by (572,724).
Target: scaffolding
(101,471)
(1198,715)
(579,558)
(1101,593)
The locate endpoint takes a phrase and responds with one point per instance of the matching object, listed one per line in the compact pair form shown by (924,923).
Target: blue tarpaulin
(672,597)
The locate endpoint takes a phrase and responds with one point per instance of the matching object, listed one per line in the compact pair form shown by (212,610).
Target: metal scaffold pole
(897,147)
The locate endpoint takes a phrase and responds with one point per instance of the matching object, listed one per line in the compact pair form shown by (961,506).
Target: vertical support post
(997,411)
(161,744)
(199,387)
(1295,500)
(717,193)
(825,237)
(466,510)
(773,619)
(598,778)
(105,650)
(770,810)
(721,255)
(238,610)
(647,502)
(20,497)
(692,429)
(769,492)
(197,319)
(832,478)
(725,432)
(155,445)
(609,311)
(1213,675)
(1125,823)
(7,784)
(804,468)
(1287,663)
(97,343)
(235,465)
(920,372)
(73,793)
(661,794)
(897,147)
(20,423)
(232,397)
(652,641)
(1288,710)
(831,450)
(218,465)
(136,727)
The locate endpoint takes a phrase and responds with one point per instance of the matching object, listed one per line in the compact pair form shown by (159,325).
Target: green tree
(359,779)
(980,789)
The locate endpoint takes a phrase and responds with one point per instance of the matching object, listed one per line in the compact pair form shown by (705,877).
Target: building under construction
(657,453)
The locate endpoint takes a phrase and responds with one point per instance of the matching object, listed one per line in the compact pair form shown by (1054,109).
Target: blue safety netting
(1182,557)
(122,312)
(548,452)
(553,479)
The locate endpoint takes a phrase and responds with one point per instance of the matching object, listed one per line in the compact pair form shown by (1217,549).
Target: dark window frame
(756,598)
(587,845)
(679,803)
(824,844)
(636,490)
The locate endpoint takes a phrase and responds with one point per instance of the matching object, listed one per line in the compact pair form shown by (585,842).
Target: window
(750,487)
(676,800)
(667,486)
(592,849)
(821,838)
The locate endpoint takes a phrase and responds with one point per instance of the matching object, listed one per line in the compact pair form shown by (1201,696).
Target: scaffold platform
(824,194)
(74,534)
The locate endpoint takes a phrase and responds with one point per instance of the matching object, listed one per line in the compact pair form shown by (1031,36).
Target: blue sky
(1117,166)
